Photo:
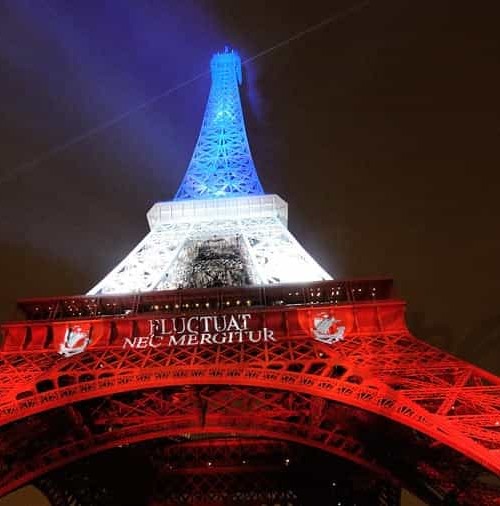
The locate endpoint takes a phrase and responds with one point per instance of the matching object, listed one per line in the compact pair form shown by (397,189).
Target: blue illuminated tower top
(222,165)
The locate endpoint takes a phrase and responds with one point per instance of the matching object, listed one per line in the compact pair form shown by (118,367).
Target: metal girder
(363,370)
(196,473)
(377,369)
(171,413)
(161,261)
(182,416)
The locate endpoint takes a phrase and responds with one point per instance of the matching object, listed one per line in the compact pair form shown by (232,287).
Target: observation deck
(331,292)
(190,211)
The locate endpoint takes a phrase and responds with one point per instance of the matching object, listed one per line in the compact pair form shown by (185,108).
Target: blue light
(222,165)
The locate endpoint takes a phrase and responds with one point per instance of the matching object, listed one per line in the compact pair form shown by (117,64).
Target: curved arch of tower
(221,357)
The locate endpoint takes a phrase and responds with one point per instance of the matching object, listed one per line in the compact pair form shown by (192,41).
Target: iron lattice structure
(222,165)
(215,471)
(363,398)
(221,356)
(253,228)
(220,199)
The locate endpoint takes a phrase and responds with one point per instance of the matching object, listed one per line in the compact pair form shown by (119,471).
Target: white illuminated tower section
(221,229)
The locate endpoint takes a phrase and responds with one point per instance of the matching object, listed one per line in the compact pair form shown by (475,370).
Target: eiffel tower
(219,364)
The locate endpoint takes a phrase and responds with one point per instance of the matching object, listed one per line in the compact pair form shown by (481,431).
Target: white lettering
(206,338)
(269,335)
(190,320)
(245,318)
(142,342)
(192,340)
(205,320)
(151,341)
(251,338)
(179,342)
(200,330)
(218,339)
(129,342)
(174,325)
(233,324)
(217,327)
(154,327)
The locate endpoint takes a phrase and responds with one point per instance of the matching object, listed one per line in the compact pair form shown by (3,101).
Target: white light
(244,210)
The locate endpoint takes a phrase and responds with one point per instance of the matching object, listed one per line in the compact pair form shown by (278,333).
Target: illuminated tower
(218,364)
(221,229)
(222,164)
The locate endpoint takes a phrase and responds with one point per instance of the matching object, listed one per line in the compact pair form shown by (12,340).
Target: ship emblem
(327,330)
(75,341)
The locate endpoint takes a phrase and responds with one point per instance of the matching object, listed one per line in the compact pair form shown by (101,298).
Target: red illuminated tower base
(236,383)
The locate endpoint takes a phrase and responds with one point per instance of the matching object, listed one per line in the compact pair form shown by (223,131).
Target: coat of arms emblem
(327,329)
(75,341)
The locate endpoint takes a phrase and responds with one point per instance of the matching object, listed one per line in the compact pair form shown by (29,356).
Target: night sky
(381,130)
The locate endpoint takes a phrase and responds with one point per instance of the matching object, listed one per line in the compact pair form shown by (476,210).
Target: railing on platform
(320,292)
